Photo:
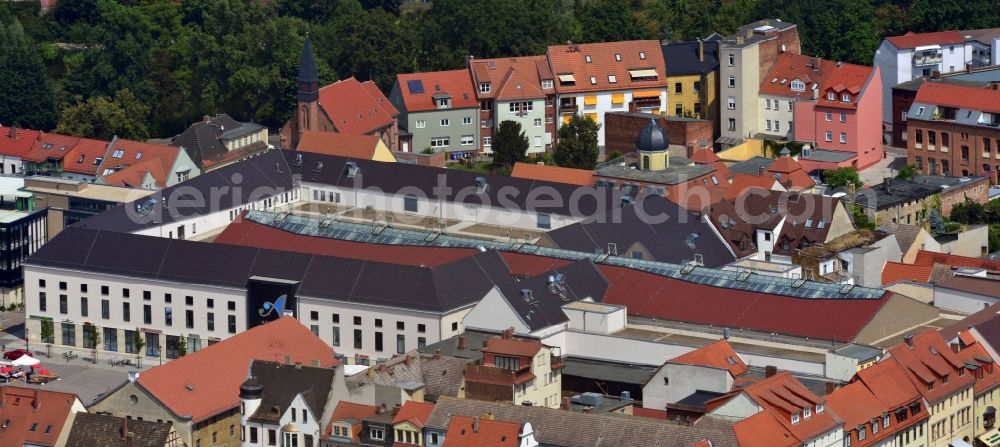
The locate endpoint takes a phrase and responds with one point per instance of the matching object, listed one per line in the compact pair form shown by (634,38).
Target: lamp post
(159,352)
(27,339)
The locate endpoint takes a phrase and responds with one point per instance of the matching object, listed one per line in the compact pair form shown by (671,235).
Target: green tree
(182,347)
(937,223)
(510,144)
(907,172)
(47,336)
(577,146)
(138,341)
(861,219)
(26,94)
(969,212)
(103,118)
(841,177)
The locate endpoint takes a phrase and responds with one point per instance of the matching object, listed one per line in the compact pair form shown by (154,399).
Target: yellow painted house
(366,147)
(692,78)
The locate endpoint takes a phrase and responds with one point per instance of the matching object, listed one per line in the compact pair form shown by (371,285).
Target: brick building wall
(787,41)
(972,150)
(976,190)
(622,128)
(901,102)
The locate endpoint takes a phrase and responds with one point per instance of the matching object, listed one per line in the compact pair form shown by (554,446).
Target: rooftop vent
(351,169)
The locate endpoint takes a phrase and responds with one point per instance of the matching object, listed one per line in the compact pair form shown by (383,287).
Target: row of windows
(444,122)
(147,311)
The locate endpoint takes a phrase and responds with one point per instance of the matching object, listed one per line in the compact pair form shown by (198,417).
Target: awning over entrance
(645,94)
(991,438)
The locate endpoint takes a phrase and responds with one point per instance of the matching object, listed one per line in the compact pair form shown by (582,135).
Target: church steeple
(308,79)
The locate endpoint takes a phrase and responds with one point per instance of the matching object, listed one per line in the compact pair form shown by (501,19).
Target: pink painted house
(836,108)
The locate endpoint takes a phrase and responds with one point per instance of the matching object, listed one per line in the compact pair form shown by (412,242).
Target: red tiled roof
(744,182)
(512,347)
(814,72)
(16,142)
(456,83)
(987,375)
(789,173)
(50,146)
(414,412)
(53,410)
(206,382)
(894,272)
(649,295)
(339,144)
(133,175)
(783,395)
(571,176)
(959,96)
(649,413)
(929,258)
(464,431)
(85,157)
(846,78)
(856,405)
(133,159)
(571,59)
(252,234)
(511,78)
(927,362)
(349,410)
(763,430)
(719,354)
(912,40)
(889,384)
(356,107)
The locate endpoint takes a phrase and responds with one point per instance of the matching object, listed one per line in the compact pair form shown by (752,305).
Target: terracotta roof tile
(131,160)
(30,427)
(822,74)
(456,83)
(510,346)
(912,40)
(85,157)
(16,142)
(350,411)
(782,395)
(511,78)
(763,430)
(927,361)
(894,272)
(50,146)
(719,354)
(634,55)
(986,373)
(341,144)
(557,174)
(356,107)
(889,384)
(205,383)
(414,412)
(959,96)
(99,430)
(929,258)
(742,183)
(465,431)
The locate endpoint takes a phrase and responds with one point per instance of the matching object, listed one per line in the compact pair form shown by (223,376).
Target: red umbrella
(6,369)
(36,366)
(44,371)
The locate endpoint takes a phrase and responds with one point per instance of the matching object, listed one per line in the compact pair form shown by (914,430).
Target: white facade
(675,381)
(603,102)
(307,426)
(961,301)
(776,116)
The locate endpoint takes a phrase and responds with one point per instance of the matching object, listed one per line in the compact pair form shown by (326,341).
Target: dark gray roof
(307,64)
(238,184)
(281,383)
(577,429)
(582,280)
(607,371)
(673,175)
(441,288)
(204,140)
(898,191)
(698,398)
(682,57)
(861,353)
(943,181)
(757,36)
(829,156)
(751,166)
(473,345)
(914,85)
(989,329)
(502,191)
(100,430)
(440,375)
(651,138)
(666,241)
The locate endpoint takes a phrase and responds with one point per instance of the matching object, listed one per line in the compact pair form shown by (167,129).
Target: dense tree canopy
(186,58)
(510,145)
(577,143)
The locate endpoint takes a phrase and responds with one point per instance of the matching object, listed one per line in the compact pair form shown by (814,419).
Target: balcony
(927,58)
(568,105)
(498,376)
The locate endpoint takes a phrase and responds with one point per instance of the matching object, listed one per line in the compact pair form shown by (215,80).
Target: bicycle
(70,356)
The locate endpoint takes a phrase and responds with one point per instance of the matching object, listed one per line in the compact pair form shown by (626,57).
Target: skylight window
(588,59)
(618,57)
(642,55)
(138,155)
(118,154)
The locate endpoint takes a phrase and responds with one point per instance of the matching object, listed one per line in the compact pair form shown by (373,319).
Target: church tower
(307,109)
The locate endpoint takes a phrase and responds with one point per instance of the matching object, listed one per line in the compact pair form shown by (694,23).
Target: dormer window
(930,385)
(443,103)
(795,418)
(831,96)
(798,86)
(819,408)
(807,412)
(546,83)
(485,87)
(846,97)
(862,433)
(944,379)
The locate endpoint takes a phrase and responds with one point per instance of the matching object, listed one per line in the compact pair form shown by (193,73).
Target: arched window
(645,163)
(304,118)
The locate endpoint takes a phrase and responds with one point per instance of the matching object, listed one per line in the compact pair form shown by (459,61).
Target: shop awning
(991,438)
(958,443)
(640,94)
(645,73)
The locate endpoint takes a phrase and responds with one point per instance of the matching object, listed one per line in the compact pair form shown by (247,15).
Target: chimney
(935,74)
(701,50)
(770,370)
(206,118)
(315,363)
(371,372)
(461,342)
(486,342)
(288,359)
(749,33)
(968,67)
(408,360)
(13,132)
(437,354)
(37,402)
(954,347)
(124,427)
(565,403)
(830,387)
(130,439)
(760,171)
(908,338)
(395,409)
(739,40)
(508,333)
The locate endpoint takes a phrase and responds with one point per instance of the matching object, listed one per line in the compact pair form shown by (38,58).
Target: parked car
(16,354)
